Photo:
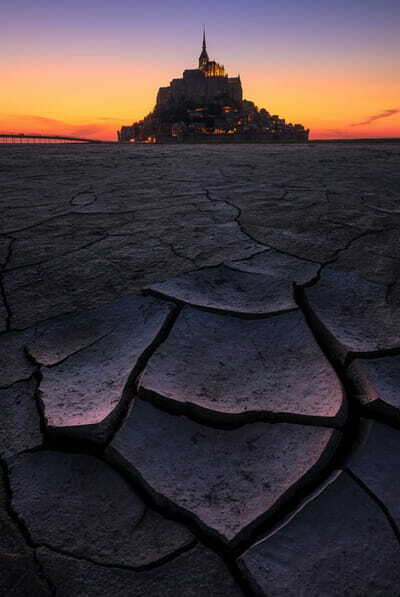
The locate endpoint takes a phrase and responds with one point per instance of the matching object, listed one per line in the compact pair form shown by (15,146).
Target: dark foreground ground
(200,370)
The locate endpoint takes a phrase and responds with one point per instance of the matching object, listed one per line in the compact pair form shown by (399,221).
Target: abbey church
(202,85)
(207,105)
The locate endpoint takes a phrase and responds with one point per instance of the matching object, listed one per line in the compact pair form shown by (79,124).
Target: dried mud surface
(199,357)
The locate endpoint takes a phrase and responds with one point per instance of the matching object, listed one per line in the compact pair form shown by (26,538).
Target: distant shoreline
(369,140)
(219,141)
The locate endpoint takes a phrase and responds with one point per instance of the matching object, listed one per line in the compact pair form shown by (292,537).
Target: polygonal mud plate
(226,369)
(376,463)
(353,314)
(227,481)
(78,504)
(339,544)
(90,361)
(224,289)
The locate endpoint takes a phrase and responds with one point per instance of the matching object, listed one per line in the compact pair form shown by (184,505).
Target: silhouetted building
(206,104)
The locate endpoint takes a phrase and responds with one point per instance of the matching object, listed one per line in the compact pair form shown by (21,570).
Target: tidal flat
(199,356)
(83,225)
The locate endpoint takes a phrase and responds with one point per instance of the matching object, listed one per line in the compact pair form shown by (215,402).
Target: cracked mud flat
(199,356)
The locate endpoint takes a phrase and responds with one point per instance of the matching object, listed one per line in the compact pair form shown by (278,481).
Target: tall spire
(203,59)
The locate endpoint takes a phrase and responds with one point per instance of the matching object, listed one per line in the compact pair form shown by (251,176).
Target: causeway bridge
(37,138)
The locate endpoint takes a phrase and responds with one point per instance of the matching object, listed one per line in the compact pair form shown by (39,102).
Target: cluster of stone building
(207,105)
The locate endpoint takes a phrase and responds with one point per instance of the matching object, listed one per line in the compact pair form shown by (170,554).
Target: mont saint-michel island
(207,105)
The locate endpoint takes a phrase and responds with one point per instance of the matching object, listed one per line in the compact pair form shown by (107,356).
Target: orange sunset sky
(87,68)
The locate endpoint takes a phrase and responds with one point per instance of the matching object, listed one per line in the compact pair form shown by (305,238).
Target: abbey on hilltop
(207,105)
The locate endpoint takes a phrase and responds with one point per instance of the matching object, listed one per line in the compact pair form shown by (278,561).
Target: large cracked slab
(354,313)
(79,505)
(89,362)
(197,573)
(225,289)
(377,462)
(377,383)
(340,543)
(226,480)
(19,419)
(230,369)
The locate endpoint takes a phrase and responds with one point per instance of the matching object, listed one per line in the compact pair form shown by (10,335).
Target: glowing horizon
(83,72)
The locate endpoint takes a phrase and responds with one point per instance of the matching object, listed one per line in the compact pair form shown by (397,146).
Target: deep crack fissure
(218,310)
(228,421)
(131,387)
